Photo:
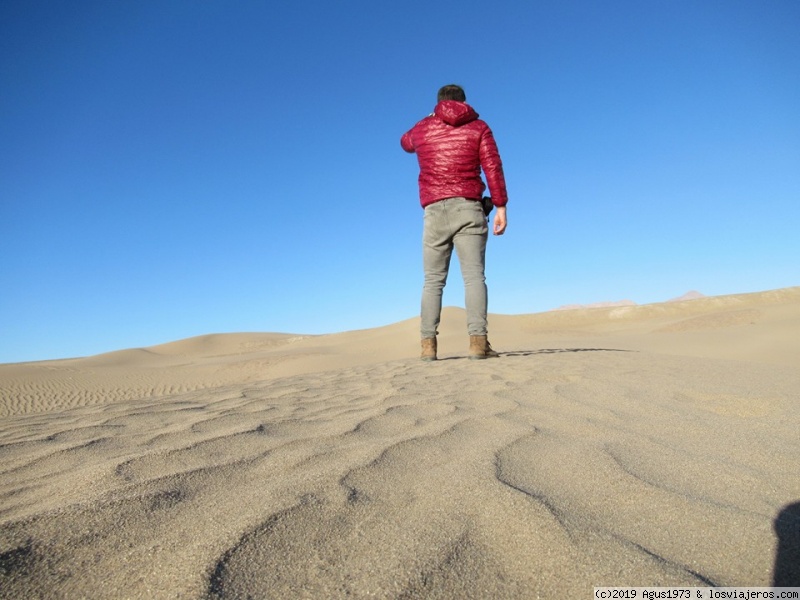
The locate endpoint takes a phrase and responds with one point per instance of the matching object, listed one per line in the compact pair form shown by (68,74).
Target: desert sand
(633,445)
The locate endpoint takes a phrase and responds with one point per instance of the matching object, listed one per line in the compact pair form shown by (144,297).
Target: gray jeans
(459,223)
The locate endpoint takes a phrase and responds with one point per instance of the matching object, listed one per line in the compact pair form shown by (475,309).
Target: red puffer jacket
(452,145)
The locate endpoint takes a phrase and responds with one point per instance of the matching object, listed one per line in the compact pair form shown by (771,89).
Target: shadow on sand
(787,556)
(559,350)
(543,351)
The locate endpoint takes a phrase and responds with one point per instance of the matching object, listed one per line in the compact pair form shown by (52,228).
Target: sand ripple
(541,473)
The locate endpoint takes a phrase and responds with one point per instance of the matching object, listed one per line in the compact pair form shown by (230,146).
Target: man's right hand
(500,221)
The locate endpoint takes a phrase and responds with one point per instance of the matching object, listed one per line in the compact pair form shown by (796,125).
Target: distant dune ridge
(608,445)
(605,304)
(690,295)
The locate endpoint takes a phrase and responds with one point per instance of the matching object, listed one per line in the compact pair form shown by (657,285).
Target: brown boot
(428,349)
(479,347)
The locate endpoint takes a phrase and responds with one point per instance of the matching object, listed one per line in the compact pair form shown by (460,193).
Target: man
(452,146)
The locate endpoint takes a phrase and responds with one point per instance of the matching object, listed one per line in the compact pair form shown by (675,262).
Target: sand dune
(642,445)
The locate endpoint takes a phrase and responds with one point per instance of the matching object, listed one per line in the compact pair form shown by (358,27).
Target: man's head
(452,92)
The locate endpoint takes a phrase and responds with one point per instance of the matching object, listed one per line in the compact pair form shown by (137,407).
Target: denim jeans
(449,223)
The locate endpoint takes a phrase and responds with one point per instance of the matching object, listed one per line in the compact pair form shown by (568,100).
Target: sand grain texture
(644,445)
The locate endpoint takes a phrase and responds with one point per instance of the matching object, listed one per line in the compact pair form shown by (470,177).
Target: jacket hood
(455,113)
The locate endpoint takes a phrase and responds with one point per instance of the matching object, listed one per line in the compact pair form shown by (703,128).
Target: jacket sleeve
(493,168)
(406,142)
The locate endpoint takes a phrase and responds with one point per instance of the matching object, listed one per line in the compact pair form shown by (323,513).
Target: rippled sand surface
(646,445)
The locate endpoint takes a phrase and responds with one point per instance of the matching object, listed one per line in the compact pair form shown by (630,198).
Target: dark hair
(452,92)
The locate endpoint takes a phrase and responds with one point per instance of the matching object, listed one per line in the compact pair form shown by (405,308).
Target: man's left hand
(500,221)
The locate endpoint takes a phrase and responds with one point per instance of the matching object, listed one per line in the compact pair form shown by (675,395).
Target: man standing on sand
(452,145)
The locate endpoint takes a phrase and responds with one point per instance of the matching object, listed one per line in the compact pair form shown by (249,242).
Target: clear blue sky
(170,169)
